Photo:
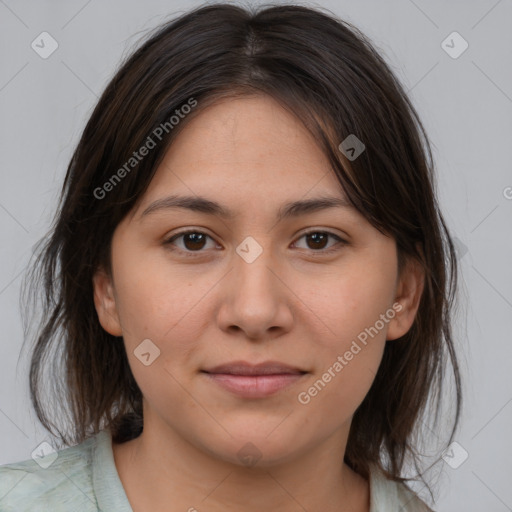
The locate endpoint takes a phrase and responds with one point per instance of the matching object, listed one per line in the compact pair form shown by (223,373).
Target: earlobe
(408,296)
(105,303)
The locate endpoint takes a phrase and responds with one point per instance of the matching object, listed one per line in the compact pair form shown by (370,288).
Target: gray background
(465,104)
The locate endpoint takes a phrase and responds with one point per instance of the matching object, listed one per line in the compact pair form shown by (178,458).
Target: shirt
(84,478)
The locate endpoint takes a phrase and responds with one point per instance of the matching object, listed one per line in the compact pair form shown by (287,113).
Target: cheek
(352,335)
(168,309)
(349,303)
(347,361)
(159,301)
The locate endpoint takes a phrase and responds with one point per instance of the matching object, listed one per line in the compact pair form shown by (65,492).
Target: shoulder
(389,496)
(57,481)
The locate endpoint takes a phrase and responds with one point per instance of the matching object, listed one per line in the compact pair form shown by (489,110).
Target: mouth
(264,368)
(254,380)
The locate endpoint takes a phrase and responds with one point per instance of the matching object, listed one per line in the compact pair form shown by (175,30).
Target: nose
(256,300)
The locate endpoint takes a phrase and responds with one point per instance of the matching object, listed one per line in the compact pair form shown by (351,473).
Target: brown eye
(192,241)
(196,241)
(318,240)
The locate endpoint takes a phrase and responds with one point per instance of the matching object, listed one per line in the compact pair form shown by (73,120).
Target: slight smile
(254,380)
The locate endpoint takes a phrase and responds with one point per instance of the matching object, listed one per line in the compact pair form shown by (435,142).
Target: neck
(159,468)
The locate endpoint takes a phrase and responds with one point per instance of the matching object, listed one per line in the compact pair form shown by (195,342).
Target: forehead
(250,147)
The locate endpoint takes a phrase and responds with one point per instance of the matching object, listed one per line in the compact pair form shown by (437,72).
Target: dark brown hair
(328,74)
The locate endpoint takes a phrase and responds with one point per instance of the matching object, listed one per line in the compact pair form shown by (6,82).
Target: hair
(328,74)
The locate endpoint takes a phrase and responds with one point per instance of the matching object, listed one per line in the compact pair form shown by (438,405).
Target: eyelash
(192,254)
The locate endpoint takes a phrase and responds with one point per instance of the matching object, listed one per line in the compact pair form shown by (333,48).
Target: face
(316,291)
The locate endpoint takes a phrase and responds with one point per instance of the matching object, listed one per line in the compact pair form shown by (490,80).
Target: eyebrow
(210,207)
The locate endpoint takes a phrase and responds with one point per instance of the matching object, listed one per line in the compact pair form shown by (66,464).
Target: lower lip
(254,386)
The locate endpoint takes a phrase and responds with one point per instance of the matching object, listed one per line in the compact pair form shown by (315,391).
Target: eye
(317,240)
(193,241)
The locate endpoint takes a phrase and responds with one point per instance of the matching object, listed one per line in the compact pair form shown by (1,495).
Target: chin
(261,447)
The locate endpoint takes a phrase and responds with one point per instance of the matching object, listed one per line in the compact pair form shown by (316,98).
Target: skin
(288,305)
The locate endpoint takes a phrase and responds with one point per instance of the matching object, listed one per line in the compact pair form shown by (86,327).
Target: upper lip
(246,368)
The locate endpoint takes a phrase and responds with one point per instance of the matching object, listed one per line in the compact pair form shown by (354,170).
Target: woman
(249,277)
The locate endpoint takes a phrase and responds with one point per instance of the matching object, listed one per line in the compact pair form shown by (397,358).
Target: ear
(105,303)
(408,294)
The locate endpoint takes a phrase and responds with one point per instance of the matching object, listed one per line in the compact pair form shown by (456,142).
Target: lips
(254,380)
(264,368)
